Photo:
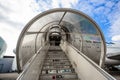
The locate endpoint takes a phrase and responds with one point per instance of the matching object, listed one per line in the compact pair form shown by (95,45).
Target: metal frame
(103,49)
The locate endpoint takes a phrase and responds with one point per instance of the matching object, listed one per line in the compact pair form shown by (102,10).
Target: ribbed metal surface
(57,66)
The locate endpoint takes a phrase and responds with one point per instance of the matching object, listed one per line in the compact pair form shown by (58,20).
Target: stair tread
(63,79)
(59,74)
(57,68)
(56,64)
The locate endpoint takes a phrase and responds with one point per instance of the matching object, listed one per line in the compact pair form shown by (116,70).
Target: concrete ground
(8,76)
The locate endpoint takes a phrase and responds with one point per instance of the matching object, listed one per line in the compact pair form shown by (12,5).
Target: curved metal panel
(82,32)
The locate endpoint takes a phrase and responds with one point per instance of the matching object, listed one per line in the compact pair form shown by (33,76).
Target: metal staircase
(53,64)
(57,66)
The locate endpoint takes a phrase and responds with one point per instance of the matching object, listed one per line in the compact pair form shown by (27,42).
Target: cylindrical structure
(75,27)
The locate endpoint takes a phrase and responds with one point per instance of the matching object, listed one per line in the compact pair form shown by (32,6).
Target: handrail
(108,76)
(28,64)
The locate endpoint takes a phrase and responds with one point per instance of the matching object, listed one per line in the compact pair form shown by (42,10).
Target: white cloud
(99,10)
(10,35)
(115,30)
(97,2)
(19,11)
(116,38)
(68,3)
(43,5)
(63,3)
(85,7)
(55,3)
(115,23)
(114,17)
(109,4)
(13,16)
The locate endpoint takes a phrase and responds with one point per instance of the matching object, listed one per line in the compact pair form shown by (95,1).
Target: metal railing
(33,67)
(97,67)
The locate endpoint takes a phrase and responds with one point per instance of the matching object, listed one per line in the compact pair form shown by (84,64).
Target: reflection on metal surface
(61,28)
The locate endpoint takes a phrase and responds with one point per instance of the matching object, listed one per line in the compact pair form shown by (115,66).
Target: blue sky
(14,14)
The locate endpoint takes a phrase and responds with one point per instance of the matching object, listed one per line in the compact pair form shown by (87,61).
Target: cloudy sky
(14,14)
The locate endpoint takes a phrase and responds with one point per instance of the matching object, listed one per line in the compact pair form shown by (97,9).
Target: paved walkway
(11,76)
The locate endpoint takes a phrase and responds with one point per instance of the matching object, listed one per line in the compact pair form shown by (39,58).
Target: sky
(15,14)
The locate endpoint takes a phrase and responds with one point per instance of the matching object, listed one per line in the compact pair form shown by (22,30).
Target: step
(55,48)
(57,60)
(57,68)
(57,63)
(49,71)
(65,76)
(55,51)
(62,79)
(56,55)
(60,66)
